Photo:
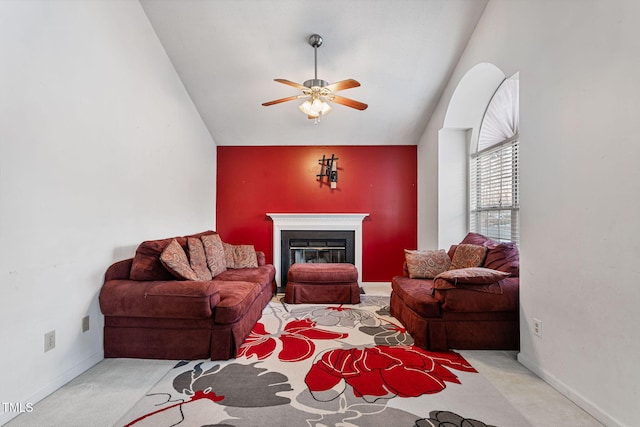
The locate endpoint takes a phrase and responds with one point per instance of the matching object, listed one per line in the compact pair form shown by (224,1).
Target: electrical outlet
(49,341)
(537,327)
(85,323)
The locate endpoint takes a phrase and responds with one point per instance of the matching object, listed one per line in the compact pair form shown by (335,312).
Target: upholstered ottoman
(322,283)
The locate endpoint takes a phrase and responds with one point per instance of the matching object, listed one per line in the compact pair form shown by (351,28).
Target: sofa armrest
(180,299)
(119,270)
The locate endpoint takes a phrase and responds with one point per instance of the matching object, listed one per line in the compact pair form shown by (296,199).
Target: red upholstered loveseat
(150,314)
(446,314)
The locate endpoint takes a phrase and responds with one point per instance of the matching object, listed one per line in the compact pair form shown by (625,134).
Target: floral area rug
(326,365)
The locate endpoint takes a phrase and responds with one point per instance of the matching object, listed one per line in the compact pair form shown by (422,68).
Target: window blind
(494,192)
(501,120)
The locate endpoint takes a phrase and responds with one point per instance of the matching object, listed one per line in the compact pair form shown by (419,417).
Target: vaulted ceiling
(227,53)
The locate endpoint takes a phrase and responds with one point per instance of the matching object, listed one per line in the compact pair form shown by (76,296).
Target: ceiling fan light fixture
(315,108)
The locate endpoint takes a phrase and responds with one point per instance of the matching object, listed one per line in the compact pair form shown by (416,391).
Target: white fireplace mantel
(316,221)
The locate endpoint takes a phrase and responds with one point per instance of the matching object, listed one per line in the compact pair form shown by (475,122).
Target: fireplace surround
(316,221)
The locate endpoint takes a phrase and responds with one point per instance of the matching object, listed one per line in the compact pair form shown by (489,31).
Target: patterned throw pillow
(426,264)
(467,255)
(146,262)
(197,259)
(175,260)
(478,279)
(228,254)
(240,256)
(244,256)
(214,253)
(472,276)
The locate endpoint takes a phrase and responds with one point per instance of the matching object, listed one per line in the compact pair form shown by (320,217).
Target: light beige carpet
(98,397)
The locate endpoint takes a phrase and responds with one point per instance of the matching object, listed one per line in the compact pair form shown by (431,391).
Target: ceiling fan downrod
(315,40)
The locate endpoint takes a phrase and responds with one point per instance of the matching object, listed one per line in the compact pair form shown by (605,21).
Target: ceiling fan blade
(290,83)
(278,101)
(342,85)
(348,102)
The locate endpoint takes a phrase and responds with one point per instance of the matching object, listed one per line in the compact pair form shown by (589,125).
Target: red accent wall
(380,180)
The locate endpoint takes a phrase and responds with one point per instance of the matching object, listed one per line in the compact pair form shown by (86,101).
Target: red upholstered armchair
(466,298)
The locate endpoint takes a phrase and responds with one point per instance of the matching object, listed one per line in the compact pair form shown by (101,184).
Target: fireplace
(315,246)
(283,222)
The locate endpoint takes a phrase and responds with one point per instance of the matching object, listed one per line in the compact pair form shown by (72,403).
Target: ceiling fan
(317,92)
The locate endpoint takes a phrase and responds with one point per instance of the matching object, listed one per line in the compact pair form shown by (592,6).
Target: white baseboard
(588,406)
(376,288)
(54,385)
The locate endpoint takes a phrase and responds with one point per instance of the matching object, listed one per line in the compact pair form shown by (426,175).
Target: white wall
(100,148)
(580,235)
(453,178)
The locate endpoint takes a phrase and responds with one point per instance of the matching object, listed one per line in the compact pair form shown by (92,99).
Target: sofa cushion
(426,264)
(146,262)
(214,253)
(159,299)
(471,276)
(175,260)
(263,275)
(468,255)
(197,258)
(500,256)
(476,239)
(235,300)
(503,257)
(417,294)
(468,301)
(477,279)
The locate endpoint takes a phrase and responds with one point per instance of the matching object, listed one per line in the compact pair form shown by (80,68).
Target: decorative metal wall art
(329,169)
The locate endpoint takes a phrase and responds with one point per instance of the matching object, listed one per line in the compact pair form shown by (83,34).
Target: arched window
(494,205)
